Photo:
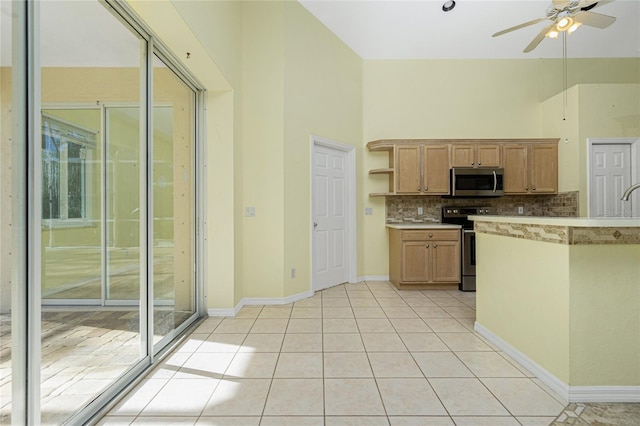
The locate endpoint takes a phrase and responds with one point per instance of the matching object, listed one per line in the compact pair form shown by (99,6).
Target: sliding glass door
(100,213)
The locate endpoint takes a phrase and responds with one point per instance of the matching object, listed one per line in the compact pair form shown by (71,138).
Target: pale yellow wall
(509,285)
(263,145)
(6,234)
(605,315)
(322,97)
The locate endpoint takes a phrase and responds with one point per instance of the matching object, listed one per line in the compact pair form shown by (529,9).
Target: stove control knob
(455,210)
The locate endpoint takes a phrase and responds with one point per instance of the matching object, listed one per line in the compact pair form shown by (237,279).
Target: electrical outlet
(420,210)
(293,272)
(520,210)
(250,211)
(368,211)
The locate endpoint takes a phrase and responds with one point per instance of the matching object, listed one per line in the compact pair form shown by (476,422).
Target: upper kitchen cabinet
(476,155)
(531,168)
(421,169)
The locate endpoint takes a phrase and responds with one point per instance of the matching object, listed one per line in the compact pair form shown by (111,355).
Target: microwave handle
(495,181)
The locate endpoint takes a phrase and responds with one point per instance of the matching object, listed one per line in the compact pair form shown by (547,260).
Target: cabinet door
(544,169)
(516,170)
(436,169)
(415,261)
(462,156)
(407,169)
(488,156)
(446,261)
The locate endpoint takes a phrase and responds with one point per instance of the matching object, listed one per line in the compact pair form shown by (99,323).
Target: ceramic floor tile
(446,301)
(270,325)
(192,343)
(368,312)
(485,421)
(337,312)
(306,312)
(349,364)
(299,365)
(380,285)
(228,342)
(441,364)
(463,342)
(409,325)
(392,302)
(281,312)
(399,312)
(409,397)
(375,325)
(488,364)
(249,312)
(460,311)
(535,421)
(335,302)
(394,364)
(181,397)
(431,312)
(310,302)
(416,302)
(203,365)
(423,342)
(342,342)
(238,397)
(256,342)
(361,301)
(522,397)
(356,421)
(235,325)
(339,325)
(292,421)
(383,342)
(138,398)
(306,342)
(252,366)
(305,325)
(467,397)
(228,421)
(422,421)
(352,397)
(445,325)
(468,323)
(158,421)
(295,397)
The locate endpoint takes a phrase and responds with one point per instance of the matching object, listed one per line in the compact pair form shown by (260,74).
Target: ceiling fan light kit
(565,16)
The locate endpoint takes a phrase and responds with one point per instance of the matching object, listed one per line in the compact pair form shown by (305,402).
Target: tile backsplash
(404,208)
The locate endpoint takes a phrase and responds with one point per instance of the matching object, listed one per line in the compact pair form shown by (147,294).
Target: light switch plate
(520,210)
(368,211)
(250,211)
(420,210)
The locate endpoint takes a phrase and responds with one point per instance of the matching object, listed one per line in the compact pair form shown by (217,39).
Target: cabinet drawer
(430,234)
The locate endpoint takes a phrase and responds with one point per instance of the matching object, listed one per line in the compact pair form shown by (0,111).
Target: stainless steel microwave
(481,182)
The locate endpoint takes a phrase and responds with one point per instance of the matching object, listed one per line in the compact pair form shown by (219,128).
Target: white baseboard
(248,301)
(373,278)
(566,392)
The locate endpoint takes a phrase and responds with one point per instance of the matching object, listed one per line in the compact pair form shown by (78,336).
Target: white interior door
(330,221)
(610,176)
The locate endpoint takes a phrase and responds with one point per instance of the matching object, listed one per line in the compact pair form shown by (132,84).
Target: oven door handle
(495,181)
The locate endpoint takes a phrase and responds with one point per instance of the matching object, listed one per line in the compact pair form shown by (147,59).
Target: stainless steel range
(460,216)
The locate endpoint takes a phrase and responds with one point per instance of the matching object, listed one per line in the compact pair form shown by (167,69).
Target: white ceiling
(419,29)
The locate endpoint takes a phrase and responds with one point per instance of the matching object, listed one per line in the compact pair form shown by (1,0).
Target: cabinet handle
(479,164)
(427,246)
(419,189)
(435,245)
(534,188)
(526,187)
(472,163)
(430,235)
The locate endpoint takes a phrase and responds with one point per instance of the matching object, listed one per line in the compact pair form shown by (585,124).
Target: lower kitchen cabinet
(424,259)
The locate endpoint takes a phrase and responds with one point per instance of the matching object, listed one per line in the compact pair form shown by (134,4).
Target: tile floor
(355,354)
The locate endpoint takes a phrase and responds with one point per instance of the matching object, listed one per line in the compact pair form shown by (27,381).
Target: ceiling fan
(565,15)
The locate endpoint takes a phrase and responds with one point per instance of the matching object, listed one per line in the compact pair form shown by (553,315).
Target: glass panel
(173,200)
(123,202)
(89,60)
(9,170)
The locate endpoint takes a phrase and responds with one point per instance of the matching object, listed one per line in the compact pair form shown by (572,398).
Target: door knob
(315,225)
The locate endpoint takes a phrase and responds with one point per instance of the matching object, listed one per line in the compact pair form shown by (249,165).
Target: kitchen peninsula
(562,297)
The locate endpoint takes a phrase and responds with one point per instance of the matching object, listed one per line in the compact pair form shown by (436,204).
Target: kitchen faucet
(625,196)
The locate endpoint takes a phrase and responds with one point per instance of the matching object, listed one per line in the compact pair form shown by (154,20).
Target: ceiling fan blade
(593,19)
(536,41)
(517,27)
(592,4)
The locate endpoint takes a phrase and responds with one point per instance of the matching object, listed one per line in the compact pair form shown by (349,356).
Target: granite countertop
(433,225)
(578,222)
